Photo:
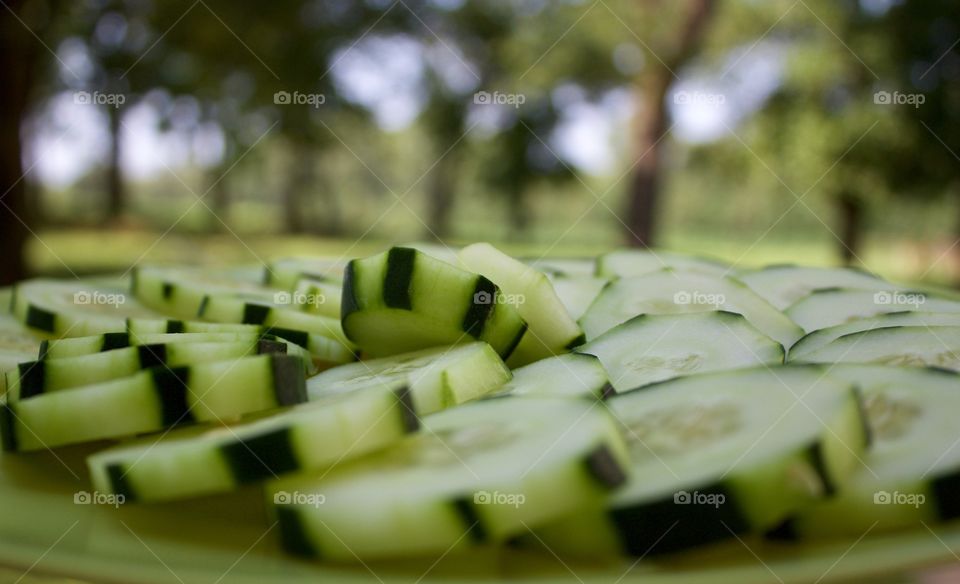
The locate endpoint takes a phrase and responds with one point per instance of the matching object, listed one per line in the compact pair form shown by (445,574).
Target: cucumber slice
(913,467)
(317,297)
(915,346)
(826,308)
(550,329)
(236,310)
(565,267)
(577,293)
(717,454)
(80,346)
(481,472)
(180,292)
(627,263)
(822,337)
(674,292)
(284,273)
(152,400)
(571,375)
(191,462)
(17,344)
(437,378)
(404,300)
(650,348)
(33,378)
(325,350)
(73,309)
(783,285)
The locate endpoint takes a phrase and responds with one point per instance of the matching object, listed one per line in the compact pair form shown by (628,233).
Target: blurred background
(809,131)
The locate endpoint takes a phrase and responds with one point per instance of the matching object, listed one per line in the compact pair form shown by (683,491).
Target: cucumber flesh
(913,467)
(405,300)
(550,328)
(913,346)
(180,292)
(718,454)
(783,285)
(651,348)
(17,344)
(284,273)
(822,337)
(436,378)
(191,462)
(317,297)
(152,400)
(238,310)
(676,292)
(578,293)
(827,308)
(627,263)
(479,473)
(562,267)
(571,375)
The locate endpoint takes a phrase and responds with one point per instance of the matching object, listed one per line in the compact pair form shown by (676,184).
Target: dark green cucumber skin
(289,382)
(8,434)
(603,466)
(170,385)
(41,319)
(293,533)
(465,509)
(260,457)
(398,279)
(119,484)
(477,314)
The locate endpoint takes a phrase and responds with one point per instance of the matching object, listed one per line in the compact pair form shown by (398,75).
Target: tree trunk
(116,197)
(850,209)
(645,184)
(17,60)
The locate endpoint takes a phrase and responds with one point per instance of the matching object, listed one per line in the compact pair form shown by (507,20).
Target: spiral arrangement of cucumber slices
(430,400)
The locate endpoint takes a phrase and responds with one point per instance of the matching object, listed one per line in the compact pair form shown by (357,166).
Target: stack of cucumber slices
(428,401)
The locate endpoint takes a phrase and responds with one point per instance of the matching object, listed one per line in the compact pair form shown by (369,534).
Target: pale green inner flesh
(782,286)
(834,307)
(571,374)
(823,337)
(628,263)
(914,346)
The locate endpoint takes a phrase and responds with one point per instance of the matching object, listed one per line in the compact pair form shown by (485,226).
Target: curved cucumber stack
(912,471)
(152,400)
(650,348)
(81,346)
(913,346)
(719,454)
(482,472)
(783,285)
(437,378)
(627,263)
(284,273)
(572,375)
(827,308)
(74,309)
(200,461)
(550,328)
(33,378)
(675,292)
(404,300)
(180,292)
(822,337)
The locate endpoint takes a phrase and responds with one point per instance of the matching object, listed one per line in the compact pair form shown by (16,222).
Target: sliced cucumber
(718,454)
(550,329)
(284,273)
(673,292)
(573,375)
(152,400)
(565,267)
(237,310)
(74,309)
(577,293)
(914,346)
(626,263)
(17,344)
(404,300)
(33,378)
(80,346)
(481,472)
(180,292)
(913,468)
(822,337)
(317,297)
(650,348)
(783,285)
(200,461)
(437,378)
(826,308)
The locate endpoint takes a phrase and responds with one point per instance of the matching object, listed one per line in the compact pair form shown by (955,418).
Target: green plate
(50,525)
